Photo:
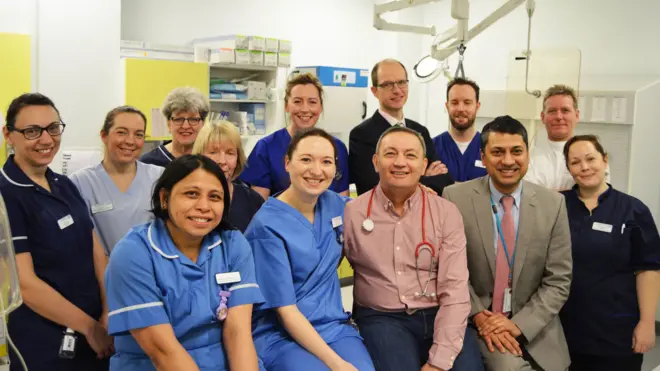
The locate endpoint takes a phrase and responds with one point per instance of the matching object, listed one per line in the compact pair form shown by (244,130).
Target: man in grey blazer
(519,256)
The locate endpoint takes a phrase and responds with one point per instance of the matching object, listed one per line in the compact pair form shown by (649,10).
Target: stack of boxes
(243,50)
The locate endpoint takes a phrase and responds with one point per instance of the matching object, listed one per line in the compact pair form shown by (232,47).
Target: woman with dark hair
(297,240)
(59,258)
(118,190)
(609,317)
(181,288)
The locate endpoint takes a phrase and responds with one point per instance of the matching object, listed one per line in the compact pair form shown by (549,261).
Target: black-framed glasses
(401,84)
(193,121)
(32,132)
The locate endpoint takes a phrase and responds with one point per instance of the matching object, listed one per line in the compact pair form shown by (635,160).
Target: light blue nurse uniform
(296,263)
(150,282)
(115,212)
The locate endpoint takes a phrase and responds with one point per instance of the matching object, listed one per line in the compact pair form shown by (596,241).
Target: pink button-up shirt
(384,262)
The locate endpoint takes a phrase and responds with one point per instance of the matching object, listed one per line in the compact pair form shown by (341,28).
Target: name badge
(225,278)
(65,222)
(478,163)
(507,300)
(336,221)
(101,208)
(607,228)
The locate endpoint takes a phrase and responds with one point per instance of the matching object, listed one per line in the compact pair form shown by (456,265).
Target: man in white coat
(560,115)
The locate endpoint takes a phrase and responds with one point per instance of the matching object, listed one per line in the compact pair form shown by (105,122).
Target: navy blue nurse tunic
(56,229)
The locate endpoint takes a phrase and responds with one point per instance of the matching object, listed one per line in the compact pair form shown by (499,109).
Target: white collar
(162,253)
(392,120)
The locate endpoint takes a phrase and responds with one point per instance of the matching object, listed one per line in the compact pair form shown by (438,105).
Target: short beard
(462,127)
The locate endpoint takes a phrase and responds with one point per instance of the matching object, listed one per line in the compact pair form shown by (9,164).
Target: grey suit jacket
(542,269)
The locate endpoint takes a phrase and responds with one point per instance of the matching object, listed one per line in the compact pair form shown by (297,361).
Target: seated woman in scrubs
(265,168)
(181,288)
(297,240)
(118,190)
(59,258)
(221,142)
(185,110)
(609,317)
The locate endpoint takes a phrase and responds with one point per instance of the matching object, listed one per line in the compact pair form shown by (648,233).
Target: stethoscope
(425,245)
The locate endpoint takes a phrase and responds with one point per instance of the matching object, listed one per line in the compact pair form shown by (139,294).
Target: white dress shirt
(393,120)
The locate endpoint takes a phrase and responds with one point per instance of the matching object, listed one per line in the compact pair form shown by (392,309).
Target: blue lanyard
(506,250)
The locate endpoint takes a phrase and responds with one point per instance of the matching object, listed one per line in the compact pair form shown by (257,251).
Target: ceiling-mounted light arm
(443,53)
(383,25)
(531,6)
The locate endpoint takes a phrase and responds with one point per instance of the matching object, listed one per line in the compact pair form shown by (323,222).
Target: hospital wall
(328,33)
(75,60)
(618,40)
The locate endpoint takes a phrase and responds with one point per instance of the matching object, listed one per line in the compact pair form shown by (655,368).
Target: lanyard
(506,250)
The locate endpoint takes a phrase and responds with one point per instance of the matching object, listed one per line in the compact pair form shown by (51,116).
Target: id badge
(506,308)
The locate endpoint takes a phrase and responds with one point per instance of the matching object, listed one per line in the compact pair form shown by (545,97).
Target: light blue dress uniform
(114,212)
(296,263)
(150,282)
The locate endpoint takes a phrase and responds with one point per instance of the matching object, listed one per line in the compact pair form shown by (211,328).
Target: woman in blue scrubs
(609,317)
(265,170)
(118,190)
(185,110)
(181,288)
(221,142)
(60,261)
(297,240)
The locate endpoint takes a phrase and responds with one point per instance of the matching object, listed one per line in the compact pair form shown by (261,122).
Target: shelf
(240,101)
(244,67)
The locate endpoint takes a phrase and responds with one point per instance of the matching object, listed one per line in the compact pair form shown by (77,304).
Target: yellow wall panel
(15,71)
(147,83)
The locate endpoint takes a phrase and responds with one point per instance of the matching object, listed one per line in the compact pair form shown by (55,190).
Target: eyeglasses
(401,84)
(179,121)
(32,132)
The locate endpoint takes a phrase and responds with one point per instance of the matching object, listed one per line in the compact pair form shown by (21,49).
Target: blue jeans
(398,341)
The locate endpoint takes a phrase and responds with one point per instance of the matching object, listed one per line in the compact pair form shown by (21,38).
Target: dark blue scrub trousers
(398,341)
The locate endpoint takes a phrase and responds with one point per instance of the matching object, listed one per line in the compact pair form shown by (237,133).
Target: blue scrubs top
(609,246)
(115,212)
(296,263)
(56,229)
(150,282)
(245,202)
(158,156)
(462,166)
(265,165)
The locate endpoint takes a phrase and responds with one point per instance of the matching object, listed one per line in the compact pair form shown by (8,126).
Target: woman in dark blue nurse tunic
(609,317)
(297,240)
(181,288)
(221,142)
(265,170)
(60,260)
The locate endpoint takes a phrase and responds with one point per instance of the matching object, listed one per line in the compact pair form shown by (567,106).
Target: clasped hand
(498,332)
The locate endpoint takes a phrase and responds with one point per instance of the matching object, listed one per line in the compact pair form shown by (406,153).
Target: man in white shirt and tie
(560,115)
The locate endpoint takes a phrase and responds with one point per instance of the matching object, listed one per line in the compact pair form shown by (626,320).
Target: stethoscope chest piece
(368,225)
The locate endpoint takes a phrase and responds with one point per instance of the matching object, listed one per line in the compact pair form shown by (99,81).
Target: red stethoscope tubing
(425,243)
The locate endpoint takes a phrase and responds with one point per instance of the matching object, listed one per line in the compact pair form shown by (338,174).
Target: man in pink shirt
(412,313)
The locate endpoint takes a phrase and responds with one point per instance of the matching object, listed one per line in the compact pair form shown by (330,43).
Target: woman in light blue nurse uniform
(297,241)
(118,190)
(181,288)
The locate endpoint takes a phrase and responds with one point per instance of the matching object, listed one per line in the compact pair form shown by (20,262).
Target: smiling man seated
(412,313)
(519,255)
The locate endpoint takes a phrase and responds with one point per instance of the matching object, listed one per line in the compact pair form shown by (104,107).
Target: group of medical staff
(194,256)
